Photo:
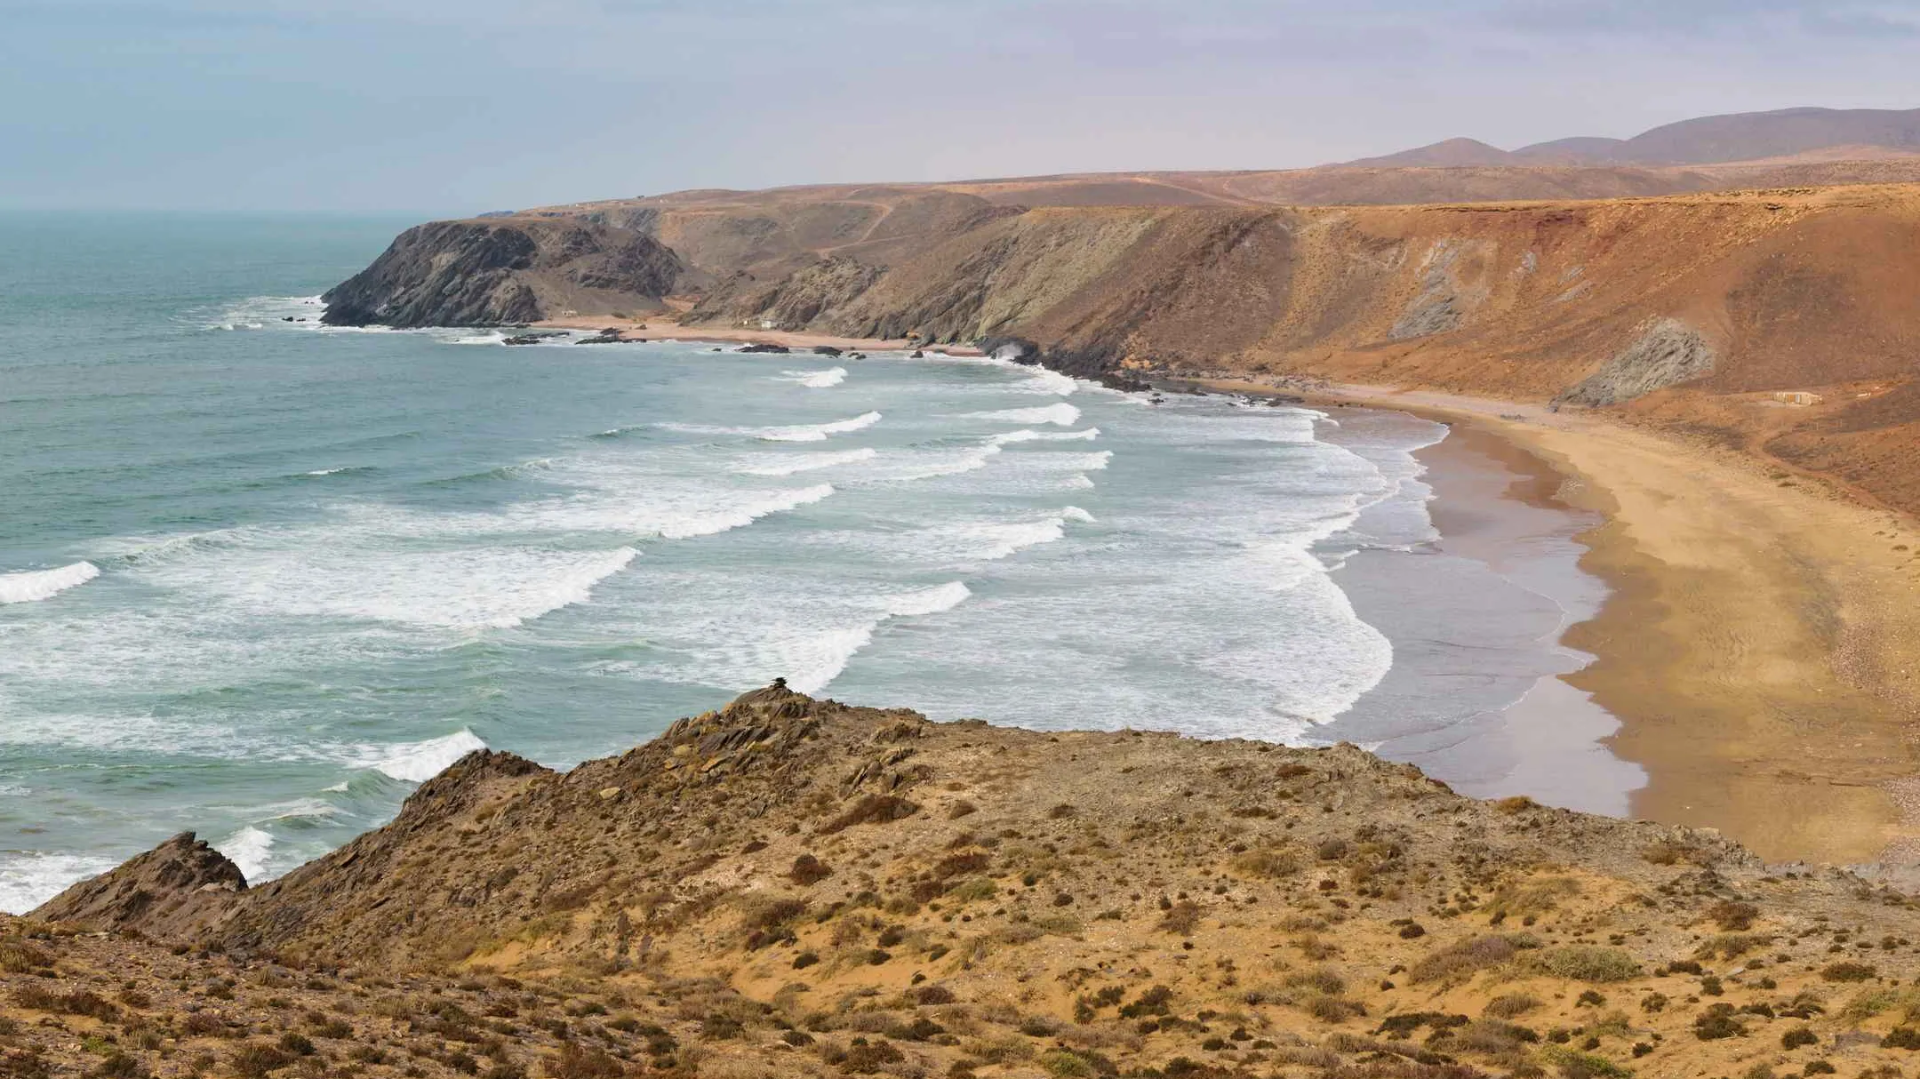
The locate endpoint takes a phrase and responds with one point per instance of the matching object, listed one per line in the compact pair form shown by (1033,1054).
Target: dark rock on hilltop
(159,890)
(499,272)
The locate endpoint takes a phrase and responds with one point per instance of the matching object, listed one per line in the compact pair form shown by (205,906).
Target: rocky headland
(791,886)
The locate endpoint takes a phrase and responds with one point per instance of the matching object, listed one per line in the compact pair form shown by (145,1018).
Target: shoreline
(1760,648)
(1473,696)
(664,330)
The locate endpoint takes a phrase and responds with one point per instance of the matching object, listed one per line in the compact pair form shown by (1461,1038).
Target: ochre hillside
(796,887)
(1777,321)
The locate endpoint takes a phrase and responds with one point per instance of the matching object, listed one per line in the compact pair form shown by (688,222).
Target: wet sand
(1760,643)
(1476,695)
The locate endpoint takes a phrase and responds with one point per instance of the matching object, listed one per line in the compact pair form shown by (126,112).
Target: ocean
(260,577)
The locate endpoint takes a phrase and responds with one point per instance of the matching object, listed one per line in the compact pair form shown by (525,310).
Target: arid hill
(796,887)
(1778,321)
(1706,140)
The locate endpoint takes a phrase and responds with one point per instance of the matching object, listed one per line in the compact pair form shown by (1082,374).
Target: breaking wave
(1061,415)
(421,761)
(817,380)
(44,584)
(819,660)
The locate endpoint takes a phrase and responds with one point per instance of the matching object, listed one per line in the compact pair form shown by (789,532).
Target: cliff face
(1688,311)
(503,271)
(807,886)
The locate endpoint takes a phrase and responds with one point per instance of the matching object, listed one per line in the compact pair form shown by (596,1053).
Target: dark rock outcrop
(1666,353)
(502,271)
(162,888)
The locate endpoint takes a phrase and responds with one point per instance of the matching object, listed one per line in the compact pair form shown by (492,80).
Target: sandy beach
(1761,645)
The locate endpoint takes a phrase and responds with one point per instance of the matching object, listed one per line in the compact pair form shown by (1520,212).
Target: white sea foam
(1062,415)
(421,761)
(818,432)
(31,878)
(993,540)
(806,432)
(249,848)
(1045,381)
(739,516)
(464,589)
(44,584)
(818,660)
(817,380)
(1087,435)
(787,464)
(327,471)
(929,464)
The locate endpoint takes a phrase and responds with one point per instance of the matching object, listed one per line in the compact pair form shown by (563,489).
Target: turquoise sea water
(259,578)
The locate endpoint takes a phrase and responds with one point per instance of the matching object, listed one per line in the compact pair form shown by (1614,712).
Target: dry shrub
(1733,916)
(1536,896)
(1267,863)
(864,1058)
(203,1025)
(83,1002)
(1321,981)
(1730,945)
(808,870)
(1589,963)
(581,1062)
(1464,958)
(872,809)
(1181,918)
(775,911)
(19,957)
(1334,1009)
(1510,1006)
(972,890)
(254,1060)
(1848,971)
(961,863)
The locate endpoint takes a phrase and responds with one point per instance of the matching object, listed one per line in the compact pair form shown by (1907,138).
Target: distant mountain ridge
(1707,140)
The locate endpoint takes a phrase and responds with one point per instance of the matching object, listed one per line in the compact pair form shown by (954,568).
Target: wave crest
(45,584)
(421,761)
(1060,415)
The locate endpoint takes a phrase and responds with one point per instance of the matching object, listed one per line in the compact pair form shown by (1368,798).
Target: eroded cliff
(502,271)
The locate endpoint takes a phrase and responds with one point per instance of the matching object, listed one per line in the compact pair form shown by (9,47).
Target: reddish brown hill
(1692,310)
(1696,309)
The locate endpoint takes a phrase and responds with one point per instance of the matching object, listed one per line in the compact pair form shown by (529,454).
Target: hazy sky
(467,105)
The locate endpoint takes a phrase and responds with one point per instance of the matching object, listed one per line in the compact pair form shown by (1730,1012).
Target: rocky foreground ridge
(797,887)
